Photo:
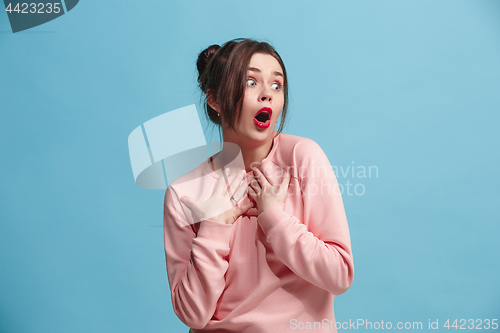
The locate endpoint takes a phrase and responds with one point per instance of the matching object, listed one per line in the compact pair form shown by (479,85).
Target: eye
(277,86)
(251,83)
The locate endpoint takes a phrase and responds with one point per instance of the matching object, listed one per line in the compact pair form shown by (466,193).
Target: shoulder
(303,156)
(189,183)
(296,149)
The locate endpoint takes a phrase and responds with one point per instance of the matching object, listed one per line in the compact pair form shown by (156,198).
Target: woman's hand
(264,193)
(220,207)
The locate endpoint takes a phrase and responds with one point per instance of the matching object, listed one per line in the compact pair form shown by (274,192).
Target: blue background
(411,87)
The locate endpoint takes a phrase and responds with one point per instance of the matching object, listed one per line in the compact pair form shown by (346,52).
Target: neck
(252,152)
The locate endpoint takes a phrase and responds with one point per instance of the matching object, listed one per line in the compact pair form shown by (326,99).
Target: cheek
(280,103)
(246,109)
(245,113)
(280,98)
(276,115)
(247,106)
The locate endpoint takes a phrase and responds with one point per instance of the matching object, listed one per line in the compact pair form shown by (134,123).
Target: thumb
(243,208)
(252,212)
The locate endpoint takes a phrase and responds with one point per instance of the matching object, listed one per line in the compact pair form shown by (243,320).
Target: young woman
(255,240)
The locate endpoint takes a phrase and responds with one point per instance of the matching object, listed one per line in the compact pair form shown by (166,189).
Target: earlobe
(211,101)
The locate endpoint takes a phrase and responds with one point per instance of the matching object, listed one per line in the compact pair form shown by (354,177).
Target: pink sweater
(277,272)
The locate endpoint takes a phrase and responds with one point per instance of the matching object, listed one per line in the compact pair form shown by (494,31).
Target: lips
(263,117)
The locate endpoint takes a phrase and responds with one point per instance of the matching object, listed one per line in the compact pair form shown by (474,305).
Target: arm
(196,264)
(317,249)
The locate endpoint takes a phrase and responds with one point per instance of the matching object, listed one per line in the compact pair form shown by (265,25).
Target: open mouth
(263,118)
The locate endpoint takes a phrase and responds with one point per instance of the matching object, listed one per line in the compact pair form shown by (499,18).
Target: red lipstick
(263,118)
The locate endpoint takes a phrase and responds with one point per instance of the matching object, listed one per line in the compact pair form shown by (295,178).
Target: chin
(264,135)
(257,136)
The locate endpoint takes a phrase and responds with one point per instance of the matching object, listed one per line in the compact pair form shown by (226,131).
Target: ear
(211,100)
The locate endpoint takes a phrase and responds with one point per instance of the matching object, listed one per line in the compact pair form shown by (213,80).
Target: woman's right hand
(220,207)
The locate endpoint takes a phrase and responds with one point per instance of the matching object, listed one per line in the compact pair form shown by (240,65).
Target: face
(264,95)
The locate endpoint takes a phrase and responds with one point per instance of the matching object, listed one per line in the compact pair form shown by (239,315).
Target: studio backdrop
(402,96)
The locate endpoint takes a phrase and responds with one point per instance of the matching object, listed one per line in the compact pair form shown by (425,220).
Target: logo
(25,15)
(170,145)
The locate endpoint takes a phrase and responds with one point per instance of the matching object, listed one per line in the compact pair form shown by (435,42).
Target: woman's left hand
(264,193)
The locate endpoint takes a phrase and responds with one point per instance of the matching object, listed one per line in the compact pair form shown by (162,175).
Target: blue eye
(276,86)
(250,81)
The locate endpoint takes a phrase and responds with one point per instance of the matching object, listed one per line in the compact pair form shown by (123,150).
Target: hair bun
(204,58)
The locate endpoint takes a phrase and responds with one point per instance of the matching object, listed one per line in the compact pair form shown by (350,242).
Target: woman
(264,248)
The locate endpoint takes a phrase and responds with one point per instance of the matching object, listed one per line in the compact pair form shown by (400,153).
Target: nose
(265,94)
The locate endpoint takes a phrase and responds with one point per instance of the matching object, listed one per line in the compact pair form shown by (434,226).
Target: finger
(264,174)
(235,184)
(241,191)
(252,200)
(221,183)
(252,192)
(244,200)
(252,212)
(255,186)
(243,208)
(260,177)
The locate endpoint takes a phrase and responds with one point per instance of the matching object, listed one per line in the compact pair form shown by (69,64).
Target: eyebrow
(255,69)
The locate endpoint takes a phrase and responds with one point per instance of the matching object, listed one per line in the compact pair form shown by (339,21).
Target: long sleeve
(196,263)
(317,249)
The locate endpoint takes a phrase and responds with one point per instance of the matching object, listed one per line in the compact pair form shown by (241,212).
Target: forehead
(265,62)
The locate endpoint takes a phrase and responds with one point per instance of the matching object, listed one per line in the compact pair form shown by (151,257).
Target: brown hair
(223,71)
